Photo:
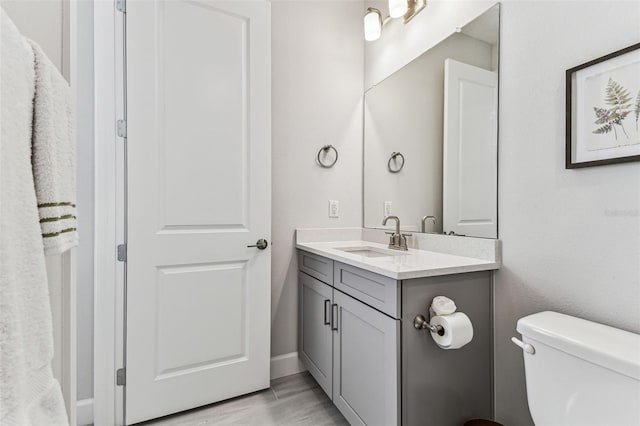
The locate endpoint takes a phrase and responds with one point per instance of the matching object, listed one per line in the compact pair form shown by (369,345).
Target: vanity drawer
(375,290)
(318,267)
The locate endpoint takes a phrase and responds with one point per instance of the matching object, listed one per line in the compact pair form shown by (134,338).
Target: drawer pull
(326,303)
(334,317)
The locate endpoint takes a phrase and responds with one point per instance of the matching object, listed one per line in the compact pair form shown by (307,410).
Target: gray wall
(571,238)
(317,62)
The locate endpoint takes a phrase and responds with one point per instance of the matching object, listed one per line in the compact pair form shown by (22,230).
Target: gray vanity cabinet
(365,363)
(357,339)
(315,336)
(350,348)
(447,387)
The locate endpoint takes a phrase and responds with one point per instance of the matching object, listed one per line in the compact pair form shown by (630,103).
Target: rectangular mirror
(431,137)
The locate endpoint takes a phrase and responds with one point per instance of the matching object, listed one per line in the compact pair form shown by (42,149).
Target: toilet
(580,372)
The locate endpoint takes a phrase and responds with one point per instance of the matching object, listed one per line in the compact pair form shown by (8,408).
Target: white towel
(29,394)
(54,157)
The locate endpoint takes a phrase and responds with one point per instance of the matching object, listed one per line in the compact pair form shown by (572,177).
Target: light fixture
(406,9)
(372,24)
(414,7)
(397,8)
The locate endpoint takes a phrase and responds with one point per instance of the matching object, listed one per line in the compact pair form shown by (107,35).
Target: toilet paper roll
(458,330)
(442,305)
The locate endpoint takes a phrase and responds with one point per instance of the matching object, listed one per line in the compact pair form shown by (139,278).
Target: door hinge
(121,6)
(122,252)
(121,126)
(121,377)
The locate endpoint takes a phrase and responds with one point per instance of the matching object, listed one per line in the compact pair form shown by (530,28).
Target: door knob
(261,244)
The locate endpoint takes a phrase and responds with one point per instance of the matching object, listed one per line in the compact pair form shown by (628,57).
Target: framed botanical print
(603,110)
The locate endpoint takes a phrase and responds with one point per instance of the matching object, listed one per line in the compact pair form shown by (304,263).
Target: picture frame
(603,110)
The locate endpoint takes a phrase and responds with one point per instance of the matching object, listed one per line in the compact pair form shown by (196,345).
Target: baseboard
(84,411)
(286,365)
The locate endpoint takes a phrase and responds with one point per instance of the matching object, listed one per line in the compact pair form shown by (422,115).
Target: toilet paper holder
(421,323)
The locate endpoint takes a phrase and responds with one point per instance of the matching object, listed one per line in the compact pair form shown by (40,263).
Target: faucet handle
(402,241)
(390,233)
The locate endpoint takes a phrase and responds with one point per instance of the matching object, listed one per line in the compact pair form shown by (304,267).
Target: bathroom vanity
(357,305)
(430,161)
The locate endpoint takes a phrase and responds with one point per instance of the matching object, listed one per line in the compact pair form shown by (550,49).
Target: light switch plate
(334,208)
(387,208)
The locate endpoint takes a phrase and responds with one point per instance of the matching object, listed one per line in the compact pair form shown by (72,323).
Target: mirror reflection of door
(470,161)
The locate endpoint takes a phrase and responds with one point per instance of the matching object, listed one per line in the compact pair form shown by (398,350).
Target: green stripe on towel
(55,234)
(54,219)
(65,203)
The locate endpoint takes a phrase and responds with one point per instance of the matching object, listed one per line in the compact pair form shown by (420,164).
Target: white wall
(571,238)
(42,21)
(85,182)
(317,63)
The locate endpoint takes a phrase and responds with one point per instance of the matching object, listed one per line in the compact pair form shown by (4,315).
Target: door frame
(110,214)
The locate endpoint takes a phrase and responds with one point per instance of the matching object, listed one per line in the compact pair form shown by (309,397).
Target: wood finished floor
(292,400)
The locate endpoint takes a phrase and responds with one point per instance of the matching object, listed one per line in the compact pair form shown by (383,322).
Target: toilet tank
(581,372)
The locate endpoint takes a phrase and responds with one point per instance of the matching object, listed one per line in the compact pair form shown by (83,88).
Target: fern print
(617,96)
(637,109)
(619,99)
(605,121)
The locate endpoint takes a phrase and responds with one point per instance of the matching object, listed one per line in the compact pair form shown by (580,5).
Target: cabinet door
(365,363)
(315,340)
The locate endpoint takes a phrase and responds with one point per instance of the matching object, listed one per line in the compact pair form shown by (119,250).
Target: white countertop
(405,265)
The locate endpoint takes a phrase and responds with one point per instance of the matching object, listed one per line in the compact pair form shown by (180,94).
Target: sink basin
(372,251)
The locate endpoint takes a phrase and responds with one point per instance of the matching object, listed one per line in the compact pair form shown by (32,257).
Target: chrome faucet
(424,219)
(398,240)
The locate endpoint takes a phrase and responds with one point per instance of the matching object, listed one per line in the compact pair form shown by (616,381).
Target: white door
(470,165)
(198,298)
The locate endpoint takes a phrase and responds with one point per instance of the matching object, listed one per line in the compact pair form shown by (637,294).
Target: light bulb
(397,8)
(372,24)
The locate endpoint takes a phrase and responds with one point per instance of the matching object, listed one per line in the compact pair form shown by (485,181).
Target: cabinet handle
(326,320)
(334,317)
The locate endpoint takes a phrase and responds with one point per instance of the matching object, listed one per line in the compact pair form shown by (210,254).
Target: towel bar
(326,149)
(393,157)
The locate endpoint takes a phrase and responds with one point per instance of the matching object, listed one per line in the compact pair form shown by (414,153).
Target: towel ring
(393,158)
(326,149)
